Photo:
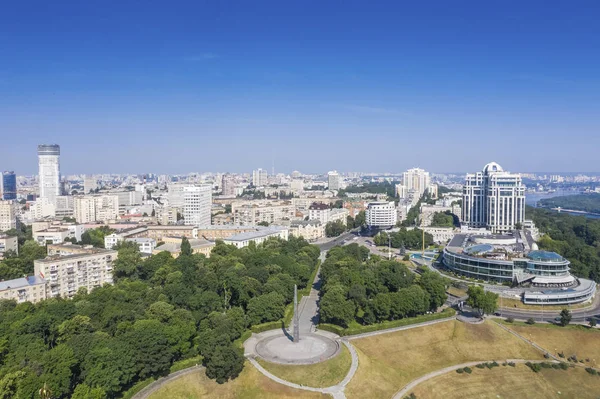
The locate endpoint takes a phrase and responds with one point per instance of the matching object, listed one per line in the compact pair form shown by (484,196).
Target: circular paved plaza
(275,347)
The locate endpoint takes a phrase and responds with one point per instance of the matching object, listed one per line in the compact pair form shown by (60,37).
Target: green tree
(128,261)
(334,229)
(9,384)
(266,307)
(225,362)
(186,247)
(435,286)
(593,322)
(335,308)
(484,302)
(83,391)
(565,317)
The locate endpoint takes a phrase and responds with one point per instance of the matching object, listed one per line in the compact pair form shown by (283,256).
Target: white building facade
(8,215)
(259,177)
(494,199)
(381,214)
(197,203)
(334,180)
(416,180)
(49,171)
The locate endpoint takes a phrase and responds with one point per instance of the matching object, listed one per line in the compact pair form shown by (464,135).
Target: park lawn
(517,303)
(388,362)
(457,292)
(320,375)
(511,382)
(249,385)
(582,341)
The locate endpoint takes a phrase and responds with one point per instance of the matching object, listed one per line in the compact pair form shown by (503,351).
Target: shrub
(535,367)
(510,320)
(480,365)
(511,364)
(547,355)
(561,355)
(460,371)
(468,370)
(591,371)
(495,364)
(530,321)
(563,365)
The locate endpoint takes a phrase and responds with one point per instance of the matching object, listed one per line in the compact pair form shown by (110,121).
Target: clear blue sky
(174,87)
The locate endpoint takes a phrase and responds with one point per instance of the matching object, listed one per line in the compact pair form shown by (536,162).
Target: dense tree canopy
(577,238)
(160,310)
(411,239)
(366,289)
(485,302)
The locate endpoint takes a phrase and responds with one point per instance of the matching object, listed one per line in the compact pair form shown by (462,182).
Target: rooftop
(251,235)
(545,256)
(21,282)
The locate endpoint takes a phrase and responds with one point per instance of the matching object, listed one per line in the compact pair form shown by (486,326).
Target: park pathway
(406,390)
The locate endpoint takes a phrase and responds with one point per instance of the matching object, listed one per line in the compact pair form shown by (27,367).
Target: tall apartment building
(49,171)
(494,199)
(8,215)
(9,186)
(251,213)
(381,214)
(416,180)
(175,194)
(96,208)
(90,183)
(259,177)
(228,185)
(65,206)
(197,203)
(81,268)
(334,180)
(8,243)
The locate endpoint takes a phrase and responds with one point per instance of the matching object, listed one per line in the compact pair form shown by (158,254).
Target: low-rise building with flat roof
(259,236)
(26,289)
(173,245)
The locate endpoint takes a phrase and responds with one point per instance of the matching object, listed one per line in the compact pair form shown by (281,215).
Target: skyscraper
(9,186)
(416,180)
(49,171)
(197,203)
(494,199)
(333,180)
(228,185)
(259,177)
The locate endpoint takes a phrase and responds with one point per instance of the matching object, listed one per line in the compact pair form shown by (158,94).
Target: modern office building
(334,180)
(175,194)
(381,214)
(9,186)
(514,259)
(493,199)
(259,177)
(416,180)
(8,215)
(197,203)
(49,171)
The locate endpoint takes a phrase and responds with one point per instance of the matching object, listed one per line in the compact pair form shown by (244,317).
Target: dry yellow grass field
(325,374)
(388,362)
(517,303)
(571,340)
(456,291)
(249,385)
(511,382)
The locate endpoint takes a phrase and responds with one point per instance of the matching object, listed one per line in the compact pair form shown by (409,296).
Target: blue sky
(175,87)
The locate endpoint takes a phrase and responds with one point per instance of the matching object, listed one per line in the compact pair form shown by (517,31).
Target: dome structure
(492,167)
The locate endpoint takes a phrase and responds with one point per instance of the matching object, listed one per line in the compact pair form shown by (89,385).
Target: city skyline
(446,91)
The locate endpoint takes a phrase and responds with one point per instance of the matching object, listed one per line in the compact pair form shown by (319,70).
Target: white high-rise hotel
(494,199)
(49,171)
(416,180)
(197,203)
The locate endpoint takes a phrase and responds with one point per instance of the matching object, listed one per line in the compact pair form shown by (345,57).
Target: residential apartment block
(93,208)
(8,243)
(25,289)
(251,213)
(8,215)
(87,268)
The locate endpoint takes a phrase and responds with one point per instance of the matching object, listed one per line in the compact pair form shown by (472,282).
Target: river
(533,199)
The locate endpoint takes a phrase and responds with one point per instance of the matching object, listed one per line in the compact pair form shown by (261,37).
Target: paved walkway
(391,330)
(406,390)
(156,385)
(337,391)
